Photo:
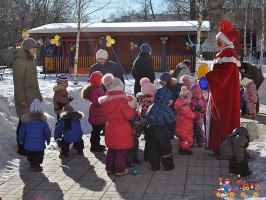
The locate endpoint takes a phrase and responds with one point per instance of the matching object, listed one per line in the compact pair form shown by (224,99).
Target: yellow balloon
(56,37)
(41,43)
(203,69)
(108,44)
(52,41)
(112,41)
(131,43)
(57,43)
(71,48)
(187,44)
(108,38)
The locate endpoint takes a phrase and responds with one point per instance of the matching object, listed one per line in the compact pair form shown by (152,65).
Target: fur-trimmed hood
(58,87)
(112,95)
(34,115)
(72,115)
(86,91)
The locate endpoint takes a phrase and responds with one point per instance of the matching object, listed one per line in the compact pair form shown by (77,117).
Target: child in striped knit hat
(61,98)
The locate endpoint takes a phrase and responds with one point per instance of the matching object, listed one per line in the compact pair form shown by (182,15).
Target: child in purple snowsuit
(198,104)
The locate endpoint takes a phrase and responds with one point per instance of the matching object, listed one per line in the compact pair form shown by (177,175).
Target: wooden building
(171,42)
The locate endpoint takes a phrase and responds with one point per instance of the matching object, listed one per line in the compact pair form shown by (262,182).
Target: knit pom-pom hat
(112,83)
(185,94)
(147,88)
(36,106)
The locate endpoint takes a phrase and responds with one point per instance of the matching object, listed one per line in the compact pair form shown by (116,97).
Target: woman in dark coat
(143,67)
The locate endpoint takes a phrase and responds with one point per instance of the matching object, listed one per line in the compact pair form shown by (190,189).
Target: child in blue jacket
(69,131)
(33,133)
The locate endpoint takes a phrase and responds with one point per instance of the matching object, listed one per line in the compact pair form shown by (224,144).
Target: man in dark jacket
(106,66)
(143,67)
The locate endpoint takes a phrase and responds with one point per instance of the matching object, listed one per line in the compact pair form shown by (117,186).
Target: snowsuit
(184,125)
(96,115)
(250,96)
(159,116)
(118,133)
(234,148)
(60,100)
(145,101)
(199,105)
(33,133)
(142,67)
(69,129)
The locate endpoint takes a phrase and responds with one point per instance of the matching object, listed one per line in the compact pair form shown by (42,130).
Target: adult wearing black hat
(182,69)
(143,67)
(26,87)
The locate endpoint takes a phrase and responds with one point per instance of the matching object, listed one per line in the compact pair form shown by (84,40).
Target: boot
(167,162)
(97,148)
(122,173)
(185,151)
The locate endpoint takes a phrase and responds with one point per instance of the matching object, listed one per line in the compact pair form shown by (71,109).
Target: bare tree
(262,32)
(83,10)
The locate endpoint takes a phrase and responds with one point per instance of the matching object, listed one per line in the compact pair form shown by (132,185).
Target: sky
(117,7)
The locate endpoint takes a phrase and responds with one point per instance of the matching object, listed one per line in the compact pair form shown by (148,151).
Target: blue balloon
(203,83)
(134,171)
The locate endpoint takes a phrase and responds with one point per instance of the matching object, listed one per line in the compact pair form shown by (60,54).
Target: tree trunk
(262,33)
(245,31)
(198,36)
(251,33)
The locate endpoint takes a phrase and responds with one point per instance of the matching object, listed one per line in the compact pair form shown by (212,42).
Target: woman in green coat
(26,87)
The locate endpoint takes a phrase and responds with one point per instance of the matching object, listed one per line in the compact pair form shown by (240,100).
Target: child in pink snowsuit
(184,122)
(250,96)
(198,105)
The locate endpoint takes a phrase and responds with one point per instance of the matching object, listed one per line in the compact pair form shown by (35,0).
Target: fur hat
(36,106)
(147,88)
(102,54)
(246,81)
(112,83)
(28,44)
(96,78)
(166,76)
(68,108)
(132,101)
(226,33)
(188,80)
(253,131)
(187,62)
(61,78)
(145,48)
(185,94)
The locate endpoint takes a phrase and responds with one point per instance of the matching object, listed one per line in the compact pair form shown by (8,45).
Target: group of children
(164,109)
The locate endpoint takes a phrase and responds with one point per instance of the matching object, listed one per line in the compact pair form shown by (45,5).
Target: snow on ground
(9,161)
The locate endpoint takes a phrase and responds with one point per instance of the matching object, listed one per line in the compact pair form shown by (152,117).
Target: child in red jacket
(184,122)
(97,118)
(118,133)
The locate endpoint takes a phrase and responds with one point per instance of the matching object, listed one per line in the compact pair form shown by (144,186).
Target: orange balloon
(52,41)
(131,48)
(71,48)
(171,71)
(164,41)
(108,44)
(108,38)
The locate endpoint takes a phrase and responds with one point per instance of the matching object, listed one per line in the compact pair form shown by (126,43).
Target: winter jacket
(181,70)
(235,144)
(250,93)
(108,67)
(96,114)
(250,71)
(142,67)
(26,87)
(118,133)
(184,119)
(199,105)
(175,89)
(34,131)
(60,98)
(159,113)
(69,127)
(144,103)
